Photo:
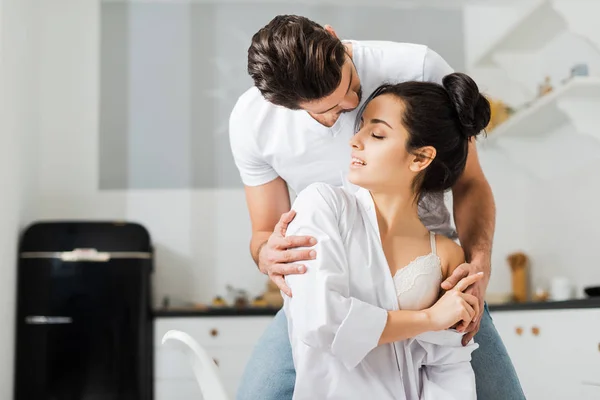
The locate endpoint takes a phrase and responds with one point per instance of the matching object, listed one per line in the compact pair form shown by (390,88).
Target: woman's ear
(421,158)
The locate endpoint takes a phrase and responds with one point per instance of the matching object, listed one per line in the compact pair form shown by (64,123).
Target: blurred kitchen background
(118,110)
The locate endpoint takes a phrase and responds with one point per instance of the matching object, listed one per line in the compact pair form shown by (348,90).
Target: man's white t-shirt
(268,141)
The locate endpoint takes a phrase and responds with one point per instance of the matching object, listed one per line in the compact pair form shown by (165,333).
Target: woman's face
(380,161)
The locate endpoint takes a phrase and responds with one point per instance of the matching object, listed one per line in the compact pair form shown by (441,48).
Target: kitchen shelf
(565,121)
(551,111)
(532,32)
(538,27)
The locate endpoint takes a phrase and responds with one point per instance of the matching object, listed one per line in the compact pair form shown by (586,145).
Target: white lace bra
(418,283)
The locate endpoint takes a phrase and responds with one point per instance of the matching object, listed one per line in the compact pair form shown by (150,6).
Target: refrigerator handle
(47,320)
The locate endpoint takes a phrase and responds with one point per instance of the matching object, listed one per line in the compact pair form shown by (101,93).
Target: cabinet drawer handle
(535,330)
(216,362)
(214,332)
(519,330)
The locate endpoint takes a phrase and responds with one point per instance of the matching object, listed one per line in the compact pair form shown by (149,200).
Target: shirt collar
(362,194)
(364,199)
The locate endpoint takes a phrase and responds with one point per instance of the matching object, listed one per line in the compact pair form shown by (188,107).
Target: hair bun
(472,108)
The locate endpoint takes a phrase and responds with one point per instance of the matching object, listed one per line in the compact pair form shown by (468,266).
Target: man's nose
(350,101)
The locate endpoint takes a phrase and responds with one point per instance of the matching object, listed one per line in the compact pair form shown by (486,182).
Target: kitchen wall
(545,187)
(97,114)
(170,74)
(18,156)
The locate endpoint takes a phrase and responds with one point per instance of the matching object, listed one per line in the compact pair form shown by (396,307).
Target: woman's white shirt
(338,311)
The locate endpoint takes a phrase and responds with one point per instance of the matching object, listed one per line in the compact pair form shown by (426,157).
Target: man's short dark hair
(293,60)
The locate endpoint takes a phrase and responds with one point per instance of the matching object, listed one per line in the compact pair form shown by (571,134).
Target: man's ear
(422,158)
(331,31)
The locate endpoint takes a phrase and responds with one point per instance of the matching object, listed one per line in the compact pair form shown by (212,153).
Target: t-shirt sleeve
(253,168)
(435,67)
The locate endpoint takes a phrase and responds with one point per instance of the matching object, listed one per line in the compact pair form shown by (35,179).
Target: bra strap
(432,239)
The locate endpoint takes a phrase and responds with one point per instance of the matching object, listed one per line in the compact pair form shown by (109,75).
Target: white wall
(201,235)
(18,149)
(155,114)
(545,189)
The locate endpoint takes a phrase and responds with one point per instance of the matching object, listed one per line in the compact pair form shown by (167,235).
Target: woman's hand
(455,306)
(478,290)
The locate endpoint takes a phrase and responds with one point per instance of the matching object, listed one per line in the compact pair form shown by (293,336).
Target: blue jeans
(270,373)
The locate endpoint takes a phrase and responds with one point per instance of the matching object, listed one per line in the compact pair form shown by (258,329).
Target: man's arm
(269,208)
(474,210)
(266,203)
(475,213)
(475,218)
(267,198)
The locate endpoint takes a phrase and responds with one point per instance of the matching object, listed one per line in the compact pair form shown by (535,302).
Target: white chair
(204,367)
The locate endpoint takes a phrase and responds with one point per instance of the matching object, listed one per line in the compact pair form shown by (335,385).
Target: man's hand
(477,289)
(276,258)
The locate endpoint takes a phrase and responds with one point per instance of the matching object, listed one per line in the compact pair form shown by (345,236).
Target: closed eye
(376,136)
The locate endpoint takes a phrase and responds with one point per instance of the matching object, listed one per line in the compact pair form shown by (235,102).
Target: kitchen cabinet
(556,353)
(229,340)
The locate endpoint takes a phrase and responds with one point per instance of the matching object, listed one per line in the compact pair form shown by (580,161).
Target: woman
(367,320)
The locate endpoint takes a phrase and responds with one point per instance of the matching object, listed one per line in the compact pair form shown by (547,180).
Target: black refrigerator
(84,323)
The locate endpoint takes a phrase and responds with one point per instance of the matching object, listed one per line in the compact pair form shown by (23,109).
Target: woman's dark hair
(445,117)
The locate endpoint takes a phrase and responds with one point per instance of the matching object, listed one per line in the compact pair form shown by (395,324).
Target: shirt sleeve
(323,315)
(253,168)
(449,372)
(435,67)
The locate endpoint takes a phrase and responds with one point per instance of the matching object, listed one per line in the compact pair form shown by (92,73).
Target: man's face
(344,98)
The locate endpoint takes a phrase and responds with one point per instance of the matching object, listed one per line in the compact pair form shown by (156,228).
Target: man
(292,129)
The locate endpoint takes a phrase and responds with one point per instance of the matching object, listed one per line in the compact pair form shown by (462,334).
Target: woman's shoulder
(451,253)
(323,197)
(321,193)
